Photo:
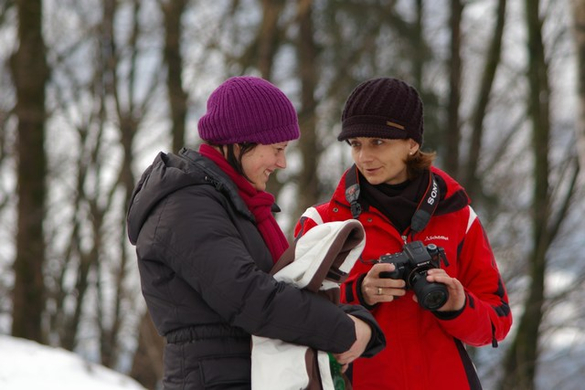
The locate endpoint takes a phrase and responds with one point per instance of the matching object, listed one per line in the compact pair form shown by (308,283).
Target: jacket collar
(213,175)
(453,199)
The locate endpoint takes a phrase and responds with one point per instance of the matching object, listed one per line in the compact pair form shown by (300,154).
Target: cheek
(253,169)
(247,167)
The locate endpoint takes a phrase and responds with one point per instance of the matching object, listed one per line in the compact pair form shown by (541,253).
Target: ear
(225,148)
(413,146)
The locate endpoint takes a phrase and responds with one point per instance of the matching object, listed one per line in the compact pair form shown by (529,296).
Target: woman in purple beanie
(206,240)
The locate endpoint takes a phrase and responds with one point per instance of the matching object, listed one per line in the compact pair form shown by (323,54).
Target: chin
(374,180)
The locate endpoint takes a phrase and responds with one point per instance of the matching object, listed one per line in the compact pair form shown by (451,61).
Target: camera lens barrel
(431,296)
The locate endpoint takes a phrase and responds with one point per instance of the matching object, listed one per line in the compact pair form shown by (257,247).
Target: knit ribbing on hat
(248,109)
(383,108)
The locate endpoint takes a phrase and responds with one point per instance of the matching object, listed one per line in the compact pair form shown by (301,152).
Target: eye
(353,143)
(279,149)
(377,141)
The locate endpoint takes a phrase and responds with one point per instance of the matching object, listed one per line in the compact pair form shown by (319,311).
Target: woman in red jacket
(441,288)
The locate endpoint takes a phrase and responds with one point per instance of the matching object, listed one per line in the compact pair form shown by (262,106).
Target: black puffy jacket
(204,274)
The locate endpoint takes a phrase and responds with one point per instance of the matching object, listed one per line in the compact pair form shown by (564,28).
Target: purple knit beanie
(248,109)
(383,108)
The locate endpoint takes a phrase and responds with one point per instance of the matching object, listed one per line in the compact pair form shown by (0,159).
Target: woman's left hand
(456,291)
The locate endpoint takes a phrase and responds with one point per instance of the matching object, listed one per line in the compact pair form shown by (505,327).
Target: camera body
(412,265)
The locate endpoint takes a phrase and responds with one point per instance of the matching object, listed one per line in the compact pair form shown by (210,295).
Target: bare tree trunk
(128,114)
(130,109)
(453,131)
(109,59)
(259,53)
(265,47)
(522,357)
(173,13)
(308,182)
(268,38)
(472,181)
(579,32)
(147,367)
(30,74)
(418,41)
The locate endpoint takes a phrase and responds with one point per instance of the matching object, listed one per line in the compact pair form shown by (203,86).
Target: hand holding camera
(412,266)
(456,291)
(417,267)
(378,290)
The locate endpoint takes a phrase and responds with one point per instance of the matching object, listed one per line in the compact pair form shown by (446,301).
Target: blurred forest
(91,90)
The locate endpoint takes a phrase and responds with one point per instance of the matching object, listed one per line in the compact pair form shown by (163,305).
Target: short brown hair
(418,163)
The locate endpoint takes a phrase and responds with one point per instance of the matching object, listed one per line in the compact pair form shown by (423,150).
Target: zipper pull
(404,239)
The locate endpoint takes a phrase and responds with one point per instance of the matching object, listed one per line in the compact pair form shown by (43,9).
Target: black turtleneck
(397,202)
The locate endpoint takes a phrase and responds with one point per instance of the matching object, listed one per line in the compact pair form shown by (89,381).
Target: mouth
(371,171)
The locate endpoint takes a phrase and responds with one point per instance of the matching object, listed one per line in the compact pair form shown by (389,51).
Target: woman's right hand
(363,333)
(376,289)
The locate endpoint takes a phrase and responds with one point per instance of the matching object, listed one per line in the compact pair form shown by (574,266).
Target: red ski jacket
(425,350)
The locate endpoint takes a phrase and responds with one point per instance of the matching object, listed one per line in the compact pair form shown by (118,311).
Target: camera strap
(427,206)
(425,209)
(352,192)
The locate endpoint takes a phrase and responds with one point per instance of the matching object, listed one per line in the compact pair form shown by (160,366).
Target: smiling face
(382,160)
(261,161)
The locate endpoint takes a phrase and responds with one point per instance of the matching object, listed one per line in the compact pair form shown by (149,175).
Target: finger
(392,283)
(437,275)
(436,272)
(381,267)
(345,358)
(444,279)
(389,294)
(340,357)
(395,292)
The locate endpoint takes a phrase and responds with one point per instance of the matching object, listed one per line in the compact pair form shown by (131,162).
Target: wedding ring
(379,290)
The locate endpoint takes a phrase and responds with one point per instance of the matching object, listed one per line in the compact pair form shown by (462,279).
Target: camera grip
(390,275)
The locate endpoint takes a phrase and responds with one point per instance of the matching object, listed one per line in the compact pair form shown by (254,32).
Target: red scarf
(258,202)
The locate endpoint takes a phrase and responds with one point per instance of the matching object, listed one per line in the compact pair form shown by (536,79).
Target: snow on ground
(27,365)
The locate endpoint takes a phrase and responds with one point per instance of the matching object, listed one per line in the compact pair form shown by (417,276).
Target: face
(382,160)
(261,161)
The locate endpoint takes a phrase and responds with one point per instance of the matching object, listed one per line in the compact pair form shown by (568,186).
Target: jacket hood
(169,173)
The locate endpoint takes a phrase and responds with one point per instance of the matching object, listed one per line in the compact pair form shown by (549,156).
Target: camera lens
(431,296)
(436,298)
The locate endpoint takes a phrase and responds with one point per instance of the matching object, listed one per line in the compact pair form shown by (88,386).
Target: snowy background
(27,365)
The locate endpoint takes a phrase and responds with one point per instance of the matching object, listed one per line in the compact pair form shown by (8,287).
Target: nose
(281,161)
(363,155)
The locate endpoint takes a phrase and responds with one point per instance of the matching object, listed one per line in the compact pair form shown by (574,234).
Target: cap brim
(371,131)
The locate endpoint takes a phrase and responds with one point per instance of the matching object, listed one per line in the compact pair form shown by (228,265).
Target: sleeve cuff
(450,315)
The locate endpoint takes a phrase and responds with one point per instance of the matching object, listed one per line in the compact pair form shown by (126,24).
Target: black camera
(412,265)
